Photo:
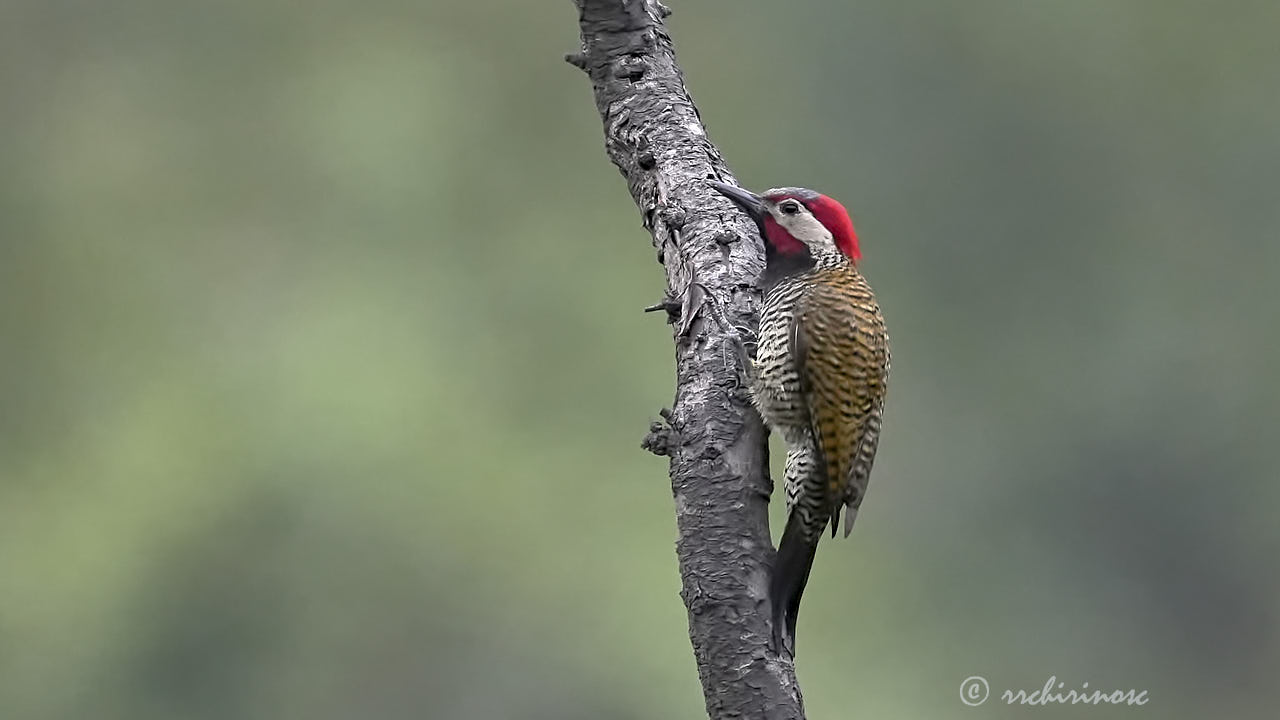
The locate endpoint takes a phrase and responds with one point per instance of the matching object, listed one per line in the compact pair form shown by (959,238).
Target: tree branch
(719,457)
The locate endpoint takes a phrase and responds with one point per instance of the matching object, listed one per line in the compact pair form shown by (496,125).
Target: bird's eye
(789,207)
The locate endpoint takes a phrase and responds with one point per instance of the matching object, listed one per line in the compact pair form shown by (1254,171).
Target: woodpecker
(819,375)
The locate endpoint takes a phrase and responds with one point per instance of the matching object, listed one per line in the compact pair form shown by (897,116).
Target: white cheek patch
(806,228)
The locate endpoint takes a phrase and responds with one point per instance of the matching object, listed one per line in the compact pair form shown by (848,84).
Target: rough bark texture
(719,460)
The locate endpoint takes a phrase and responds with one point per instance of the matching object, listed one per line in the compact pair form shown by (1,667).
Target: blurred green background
(323,372)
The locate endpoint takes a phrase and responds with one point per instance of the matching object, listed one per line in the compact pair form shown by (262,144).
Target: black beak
(750,202)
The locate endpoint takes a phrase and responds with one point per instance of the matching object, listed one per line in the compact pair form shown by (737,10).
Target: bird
(819,377)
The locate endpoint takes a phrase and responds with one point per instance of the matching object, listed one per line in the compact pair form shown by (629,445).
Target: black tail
(790,573)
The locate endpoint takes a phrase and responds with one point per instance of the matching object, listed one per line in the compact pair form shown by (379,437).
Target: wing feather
(841,354)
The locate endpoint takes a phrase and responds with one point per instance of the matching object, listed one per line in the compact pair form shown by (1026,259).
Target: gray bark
(715,440)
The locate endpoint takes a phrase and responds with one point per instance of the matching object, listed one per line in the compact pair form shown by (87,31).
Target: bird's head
(796,221)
